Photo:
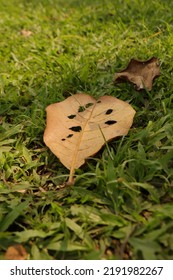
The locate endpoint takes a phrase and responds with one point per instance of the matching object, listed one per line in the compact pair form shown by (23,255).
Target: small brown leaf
(140,73)
(79,126)
(25,33)
(16,252)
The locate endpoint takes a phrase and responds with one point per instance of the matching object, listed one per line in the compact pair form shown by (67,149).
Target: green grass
(121,207)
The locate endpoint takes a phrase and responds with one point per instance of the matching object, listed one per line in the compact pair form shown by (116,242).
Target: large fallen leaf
(140,73)
(79,126)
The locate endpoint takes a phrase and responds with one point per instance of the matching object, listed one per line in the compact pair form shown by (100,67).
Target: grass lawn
(121,207)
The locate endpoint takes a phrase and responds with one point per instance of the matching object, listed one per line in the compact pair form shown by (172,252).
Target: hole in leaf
(76,128)
(70,135)
(109,111)
(110,122)
(89,105)
(81,109)
(71,116)
(63,139)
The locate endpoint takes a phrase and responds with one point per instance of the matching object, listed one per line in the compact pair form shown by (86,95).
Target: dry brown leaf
(25,33)
(140,73)
(16,252)
(79,126)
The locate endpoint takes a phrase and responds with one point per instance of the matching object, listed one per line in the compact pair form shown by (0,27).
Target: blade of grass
(13,215)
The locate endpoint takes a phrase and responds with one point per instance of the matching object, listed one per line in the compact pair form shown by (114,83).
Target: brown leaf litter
(140,73)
